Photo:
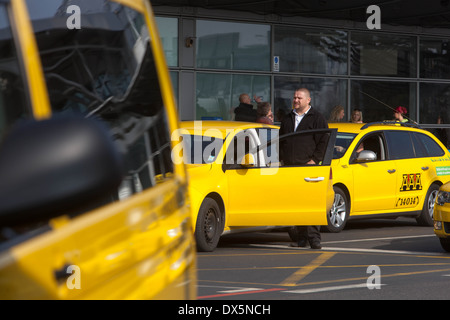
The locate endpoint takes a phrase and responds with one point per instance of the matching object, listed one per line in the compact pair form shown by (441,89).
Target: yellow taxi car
(386,170)
(91,205)
(442,216)
(237,181)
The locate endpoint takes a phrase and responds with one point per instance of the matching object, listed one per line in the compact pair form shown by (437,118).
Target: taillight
(331,173)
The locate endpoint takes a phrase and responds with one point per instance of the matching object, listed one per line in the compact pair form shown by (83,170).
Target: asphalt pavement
(369,260)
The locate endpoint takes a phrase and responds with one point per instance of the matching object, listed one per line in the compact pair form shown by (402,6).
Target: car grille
(447,227)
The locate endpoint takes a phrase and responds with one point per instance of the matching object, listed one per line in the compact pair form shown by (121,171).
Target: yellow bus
(91,205)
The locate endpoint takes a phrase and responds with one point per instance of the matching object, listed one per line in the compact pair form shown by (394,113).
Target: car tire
(445,244)
(338,215)
(209,226)
(426,216)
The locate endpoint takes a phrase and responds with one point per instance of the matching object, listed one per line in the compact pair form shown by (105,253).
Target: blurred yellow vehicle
(91,205)
(386,170)
(442,216)
(236,181)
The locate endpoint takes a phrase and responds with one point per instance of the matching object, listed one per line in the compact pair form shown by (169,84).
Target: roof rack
(403,124)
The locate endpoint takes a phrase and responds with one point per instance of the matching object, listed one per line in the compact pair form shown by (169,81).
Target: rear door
(374,181)
(270,194)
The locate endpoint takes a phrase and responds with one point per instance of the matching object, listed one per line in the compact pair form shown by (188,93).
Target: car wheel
(426,217)
(338,215)
(209,226)
(445,243)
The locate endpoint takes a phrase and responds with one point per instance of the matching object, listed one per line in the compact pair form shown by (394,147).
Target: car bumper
(442,220)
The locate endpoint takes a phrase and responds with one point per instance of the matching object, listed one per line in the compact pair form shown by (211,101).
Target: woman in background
(337,114)
(357,116)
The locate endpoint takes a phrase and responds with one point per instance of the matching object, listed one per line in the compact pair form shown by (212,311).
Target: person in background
(337,114)
(357,116)
(245,111)
(264,113)
(400,114)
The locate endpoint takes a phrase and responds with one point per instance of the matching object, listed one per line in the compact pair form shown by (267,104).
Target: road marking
(304,271)
(325,289)
(380,239)
(240,290)
(384,251)
(238,293)
(359,250)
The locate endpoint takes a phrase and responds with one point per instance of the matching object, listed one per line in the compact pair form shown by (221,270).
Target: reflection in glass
(106,70)
(218,94)
(377,99)
(435,102)
(374,54)
(311,50)
(233,46)
(435,58)
(168,32)
(13,97)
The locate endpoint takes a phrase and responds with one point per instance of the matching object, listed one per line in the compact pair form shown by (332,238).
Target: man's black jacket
(298,150)
(245,112)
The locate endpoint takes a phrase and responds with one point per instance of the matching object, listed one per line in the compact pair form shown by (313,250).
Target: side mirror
(365,156)
(52,167)
(248,161)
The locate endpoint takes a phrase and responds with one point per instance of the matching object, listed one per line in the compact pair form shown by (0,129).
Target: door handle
(314,179)
(425,168)
(391,171)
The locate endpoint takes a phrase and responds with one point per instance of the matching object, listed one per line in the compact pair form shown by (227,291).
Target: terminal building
(347,53)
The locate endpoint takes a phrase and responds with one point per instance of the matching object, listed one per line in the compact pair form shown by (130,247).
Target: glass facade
(233,46)
(384,55)
(314,51)
(374,71)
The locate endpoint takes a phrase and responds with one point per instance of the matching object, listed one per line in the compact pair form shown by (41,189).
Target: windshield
(95,56)
(13,96)
(98,62)
(343,141)
(200,149)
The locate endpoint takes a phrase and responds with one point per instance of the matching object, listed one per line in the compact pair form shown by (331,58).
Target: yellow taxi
(386,170)
(91,205)
(237,181)
(442,216)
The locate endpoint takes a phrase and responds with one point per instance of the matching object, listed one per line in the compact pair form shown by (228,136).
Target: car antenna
(386,105)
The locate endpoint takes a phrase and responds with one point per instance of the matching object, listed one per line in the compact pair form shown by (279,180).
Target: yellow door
(374,186)
(268,194)
(278,197)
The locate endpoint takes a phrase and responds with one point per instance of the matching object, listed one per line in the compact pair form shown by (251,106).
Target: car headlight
(443,197)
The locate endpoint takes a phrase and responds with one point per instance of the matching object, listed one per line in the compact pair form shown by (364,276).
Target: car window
(278,153)
(343,141)
(372,142)
(106,70)
(431,147)
(201,149)
(244,142)
(400,145)
(14,104)
(419,146)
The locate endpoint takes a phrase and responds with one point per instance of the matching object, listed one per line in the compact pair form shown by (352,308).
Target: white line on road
(381,239)
(325,289)
(354,250)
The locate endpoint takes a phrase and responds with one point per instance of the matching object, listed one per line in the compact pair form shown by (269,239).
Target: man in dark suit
(245,111)
(304,150)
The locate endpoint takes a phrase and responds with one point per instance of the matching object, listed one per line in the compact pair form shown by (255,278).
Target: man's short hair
(305,91)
